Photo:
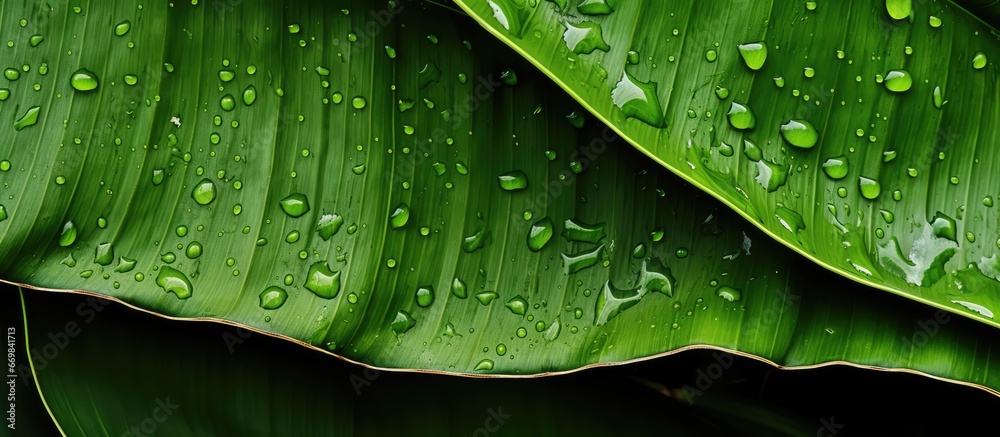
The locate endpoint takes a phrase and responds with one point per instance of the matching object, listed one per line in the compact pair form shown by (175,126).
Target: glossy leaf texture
(399,194)
(861,141)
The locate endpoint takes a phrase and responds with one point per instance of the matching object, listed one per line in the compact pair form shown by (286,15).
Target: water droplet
(68,234)
(193,250)
(204,192)
(934,21)
(540,234)
(226,75)
(122,28)
(400,216)
(944,226)
(754,54)
(28,119)
(779,82)
(402,323)
(595,7)
(295,205)
(979,61)
(800,133)
(899,9)
(359,102)
(888,216)
(681,252)
(790,220)
(328,225)
(655,277)
(173,281)
(475,241)
(486,297)
(584,37)
(721,92)
(104,254)
(729,293)
(898,81)
(639,251)
(576,230)
(740,117)
(84,80)
(484,365)
(35,40)
(249,95)
(322,281)
(273,298)
(611,302)
(513,180)
(517,305)
(425,296)
(870,188)
(938,97)
(638,100)
(459,289)
(809,72)
(711,55)
(836,167)
(988,201)
(770,175)
(576,262)
(751,151)
(228,102)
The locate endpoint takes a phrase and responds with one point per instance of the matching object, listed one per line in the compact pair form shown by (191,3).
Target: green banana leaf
(859,133)
(634,263)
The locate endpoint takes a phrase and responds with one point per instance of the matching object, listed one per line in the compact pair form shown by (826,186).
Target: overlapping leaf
(186,188)
(861,140)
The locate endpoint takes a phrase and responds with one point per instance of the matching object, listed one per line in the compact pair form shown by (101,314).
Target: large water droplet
(328,225)
(295,205)
(800,133)
(584,37)
(513,180)
(611,302)
(654,276)
(104,254)
(898,81)
(204,192)
(173,281)
(540,234)
(517,305)
(425,296)
(729,293)
(400,216)
(402,323)
(596,7)
(68,234)
(459,289)
(84,80)
(486,297)
(573,263)
(754,54)
(638,100)
(576,230)
(899,9)
(122,28)
(29,118)
(870,188)
(836,167)
(979,61)
(322,281)
(273,298)
(740,117)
